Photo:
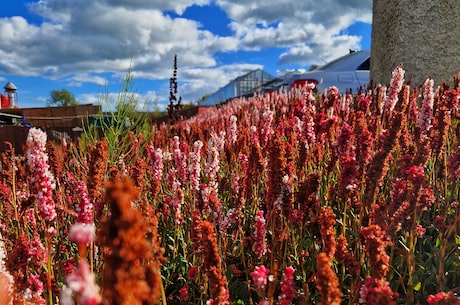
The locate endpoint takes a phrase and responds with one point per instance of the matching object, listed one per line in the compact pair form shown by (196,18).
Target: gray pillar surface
(423,35)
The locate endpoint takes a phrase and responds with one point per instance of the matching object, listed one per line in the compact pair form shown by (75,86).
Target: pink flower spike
(260,244)
(426,111)
(42,180)
(233,130)
(396,84)
(195,168)
(259,277)
(82,233)
(287,287)
(82,282)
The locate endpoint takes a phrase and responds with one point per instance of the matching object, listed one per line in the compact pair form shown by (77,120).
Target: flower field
(286,198)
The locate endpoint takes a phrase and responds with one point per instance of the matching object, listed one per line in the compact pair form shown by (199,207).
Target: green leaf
(418,286)
(457,240)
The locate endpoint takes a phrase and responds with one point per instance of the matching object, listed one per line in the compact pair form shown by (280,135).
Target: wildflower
(195,168)
(131,260)
(344,106)
(364,103)
(326,220)
(332,97)
(376,242)
(259,277)
(192,273)
(82,282)
(235,182)
(233,130)
(244,163)
(204,238)
(42,180)
(6,279)
(85,207)
(297,216)
(184,294)
(36,252)
(426,111)
(441,224)
(376,292)
(400,216)
(260,244)
(453,165)
(452,99)
(69,266)
(364,140)
(396,84)
(35,285)
(343,144)
(180,159)
(344,256)
(267,130)
(212,163)
(218,141)
(254,136)
(443,298)
(348,173)
(420,231)
(327,282)
(178,196)
(232,218)
(287,287)
(309,130)
(156,163)
(415,174)
(443,119)
(97,163)
(82,233)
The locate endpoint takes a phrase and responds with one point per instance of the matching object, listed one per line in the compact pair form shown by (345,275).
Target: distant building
(10,98)
(242,86)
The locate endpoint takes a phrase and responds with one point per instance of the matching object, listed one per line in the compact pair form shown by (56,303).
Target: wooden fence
(17,136)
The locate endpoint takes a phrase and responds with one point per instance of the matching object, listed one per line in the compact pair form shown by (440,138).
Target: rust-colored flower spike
(376,242)
(97,163)
(138,171)
(326,221)
(56,154)
(131,271)
(327,282)
(378,167)
(6,159)
(344,256)
(442,122)
(205,236)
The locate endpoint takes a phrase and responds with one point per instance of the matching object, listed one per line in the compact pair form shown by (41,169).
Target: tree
(62,98)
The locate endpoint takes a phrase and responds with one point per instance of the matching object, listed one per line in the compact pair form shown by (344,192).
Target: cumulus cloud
(81,41)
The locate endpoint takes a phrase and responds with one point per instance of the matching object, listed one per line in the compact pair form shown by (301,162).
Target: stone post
(423,35)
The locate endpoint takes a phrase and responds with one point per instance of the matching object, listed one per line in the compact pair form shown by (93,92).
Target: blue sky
(87,47)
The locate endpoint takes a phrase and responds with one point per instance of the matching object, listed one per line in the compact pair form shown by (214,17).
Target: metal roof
(10,86)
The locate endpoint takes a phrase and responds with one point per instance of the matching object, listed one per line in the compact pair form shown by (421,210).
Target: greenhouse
(245,85)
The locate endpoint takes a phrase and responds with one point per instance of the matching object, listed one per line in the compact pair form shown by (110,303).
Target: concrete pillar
(424,35)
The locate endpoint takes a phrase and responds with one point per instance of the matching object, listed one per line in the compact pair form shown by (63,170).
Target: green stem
(49,271)
(163,294)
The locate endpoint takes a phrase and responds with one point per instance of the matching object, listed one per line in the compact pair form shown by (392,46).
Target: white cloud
(78,80)
(81,41)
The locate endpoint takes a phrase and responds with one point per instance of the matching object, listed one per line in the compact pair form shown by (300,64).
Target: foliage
(286,198)
(62,97)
